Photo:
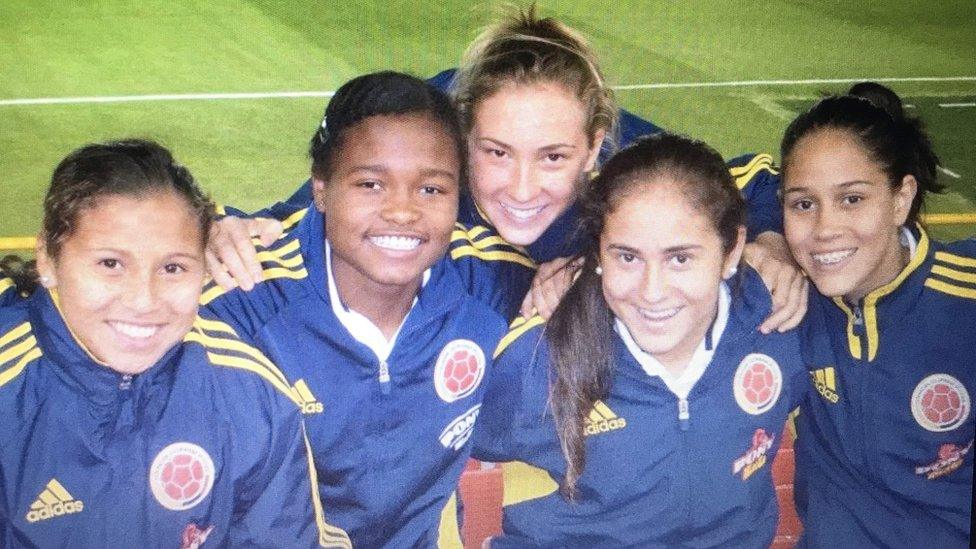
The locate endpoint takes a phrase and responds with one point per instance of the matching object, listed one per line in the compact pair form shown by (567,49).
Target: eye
(370,185)
(556,157)
(627,257)
(496,153)
(431,190)
(852,199)
(679,259)
(110,263)
(174,268)
(803,204)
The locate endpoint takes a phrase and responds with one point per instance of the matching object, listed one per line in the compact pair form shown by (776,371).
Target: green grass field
(249,152)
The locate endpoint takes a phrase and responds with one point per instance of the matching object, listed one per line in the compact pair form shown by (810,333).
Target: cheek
(184,296)
(618,285)
(486,178)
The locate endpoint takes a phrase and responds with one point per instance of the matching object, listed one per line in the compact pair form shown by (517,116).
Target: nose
(523,186)
(829,222)
(141,293)
(400,207)
(655,283)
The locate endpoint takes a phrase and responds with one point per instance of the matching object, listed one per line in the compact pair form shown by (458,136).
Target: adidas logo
(53,501)
(602,420)
(826,383)
(310,405)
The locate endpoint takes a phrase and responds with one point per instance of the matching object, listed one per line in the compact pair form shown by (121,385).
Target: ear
(904,196)
(731,262)
(594,153)
(318,193)
(45,263)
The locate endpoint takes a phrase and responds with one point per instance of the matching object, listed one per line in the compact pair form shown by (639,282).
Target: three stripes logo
(309,404)
(954,275)
(825,380)
(602,420)
(53,501)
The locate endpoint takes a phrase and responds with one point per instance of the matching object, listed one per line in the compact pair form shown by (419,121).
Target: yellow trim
(329,536)
(968,218)
(15,351)
(461,232)
(220,209)
(744,174)
(791,422)
(245,364)
(56,299)
(968,293)
(213,326)
(955,259)
(213,293)
(955,275)
(14,334)
(281,272)
(449,532)
(871,300)
(853,342)
(15,370)
(18,243)
(523,482)
(211,342)
(293,219)
(512,257)
(5,284)
(303,392)
(737,171)
(515,333)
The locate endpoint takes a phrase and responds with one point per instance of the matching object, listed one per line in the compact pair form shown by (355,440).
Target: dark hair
(384,93)
(131,167)
(22,272)
(580,332)
(522,48)
(874,115)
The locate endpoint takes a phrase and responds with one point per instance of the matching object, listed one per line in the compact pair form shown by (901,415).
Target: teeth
(522,213)
(830,258)
(399,243)
(659,315)
(131,330)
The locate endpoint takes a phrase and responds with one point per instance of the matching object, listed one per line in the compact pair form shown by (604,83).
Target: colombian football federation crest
(940,403)
(757,384)
(181,476)
(459,370)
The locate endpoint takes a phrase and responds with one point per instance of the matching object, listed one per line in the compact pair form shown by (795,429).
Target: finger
(226,246)
(800,312)
(787,301)
(527,304)
(266,229)
(216,270)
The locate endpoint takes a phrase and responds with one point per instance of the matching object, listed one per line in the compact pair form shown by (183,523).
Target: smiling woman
(110,363)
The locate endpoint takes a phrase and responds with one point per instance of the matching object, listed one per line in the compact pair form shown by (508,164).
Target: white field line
(950,173)
(301,94)
(951,105)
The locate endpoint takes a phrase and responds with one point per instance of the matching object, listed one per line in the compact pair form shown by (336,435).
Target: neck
(385,305)
(892,264)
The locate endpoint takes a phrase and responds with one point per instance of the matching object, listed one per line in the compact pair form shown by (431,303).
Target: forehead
(531,112)
(398,140)
(159,220)
(828,157)
(657,216)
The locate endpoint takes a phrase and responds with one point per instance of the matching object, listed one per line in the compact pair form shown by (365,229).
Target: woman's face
(128,279)
(391,201)
(662,264)
(529,155)
(841,216)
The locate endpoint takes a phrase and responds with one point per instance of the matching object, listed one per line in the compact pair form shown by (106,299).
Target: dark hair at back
(580,332)
(384,93)
(22,272)
(131,167)
(874,115)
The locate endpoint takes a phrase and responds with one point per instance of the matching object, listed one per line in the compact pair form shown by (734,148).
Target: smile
(396,242)
(658,315)
(522,214)
(134,331)
(832,258)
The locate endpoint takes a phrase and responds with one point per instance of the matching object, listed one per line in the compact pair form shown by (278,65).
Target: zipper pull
(126,382)
(684,417)
(858,316)
(384,377)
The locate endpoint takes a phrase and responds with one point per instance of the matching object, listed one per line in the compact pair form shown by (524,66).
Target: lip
(396,243)
(522,214)
(135,334)
(658,316)
(832,259)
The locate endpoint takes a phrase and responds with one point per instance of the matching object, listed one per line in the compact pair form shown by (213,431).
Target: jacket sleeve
(281,506)
(758,180)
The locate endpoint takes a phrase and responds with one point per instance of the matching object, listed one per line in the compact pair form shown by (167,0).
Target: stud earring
(598,270)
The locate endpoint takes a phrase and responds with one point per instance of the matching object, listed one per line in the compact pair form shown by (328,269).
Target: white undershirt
(907,240)
(682,384)
(360,327)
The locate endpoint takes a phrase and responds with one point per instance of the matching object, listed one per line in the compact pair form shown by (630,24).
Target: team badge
(193,536)
(757,384)
(459,370)
(181,476)
(940,403)
(950,458)
(459,430)
(755,458)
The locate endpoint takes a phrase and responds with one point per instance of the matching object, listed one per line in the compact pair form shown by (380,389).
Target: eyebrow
(554,146)
(845,185)
(426,172)
(671,249)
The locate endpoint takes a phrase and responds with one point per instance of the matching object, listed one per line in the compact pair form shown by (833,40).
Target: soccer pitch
(730,72)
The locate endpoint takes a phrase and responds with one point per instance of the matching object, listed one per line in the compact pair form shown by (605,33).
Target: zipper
(684,416)
(126,383)
(384,377)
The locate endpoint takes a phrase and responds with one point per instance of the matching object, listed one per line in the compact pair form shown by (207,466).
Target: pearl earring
(599,270)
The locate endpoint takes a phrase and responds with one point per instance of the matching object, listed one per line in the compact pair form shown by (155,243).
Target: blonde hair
(521,48)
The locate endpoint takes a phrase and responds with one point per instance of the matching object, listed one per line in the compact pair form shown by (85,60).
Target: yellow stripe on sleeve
(16,369)
(955,259)
(329,536)
(14,334)
(493,255)
(523,482)
(293,219)
(953,274)
(958,291)
(211,342)
(5,284)
(515,333)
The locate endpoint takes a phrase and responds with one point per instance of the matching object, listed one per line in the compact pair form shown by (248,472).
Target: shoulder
(19,349)
(953,270)
(524,336)
(481,244)
(8,291)
(240,371)
(750,169)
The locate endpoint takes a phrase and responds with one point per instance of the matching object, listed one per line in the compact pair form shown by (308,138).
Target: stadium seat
(481,490)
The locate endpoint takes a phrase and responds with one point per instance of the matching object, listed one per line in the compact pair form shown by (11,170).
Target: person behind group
(884,455)
(536,111)
(648,409)
(370,320)
(128,420)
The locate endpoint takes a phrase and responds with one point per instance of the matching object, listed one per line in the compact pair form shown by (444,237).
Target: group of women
(638,401)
